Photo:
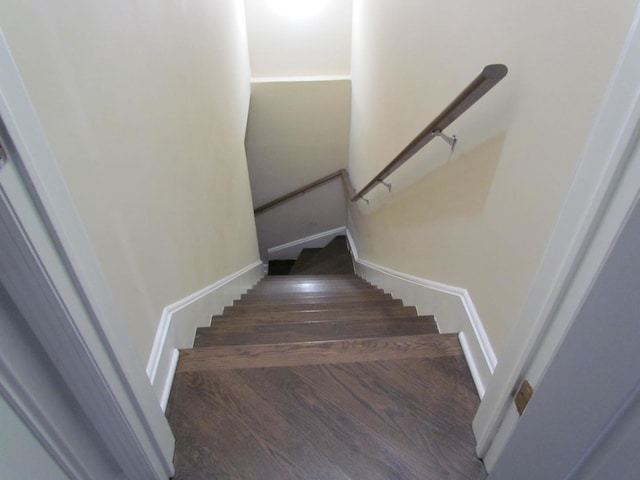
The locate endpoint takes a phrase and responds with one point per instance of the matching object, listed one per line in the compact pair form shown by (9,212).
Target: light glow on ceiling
(298,9)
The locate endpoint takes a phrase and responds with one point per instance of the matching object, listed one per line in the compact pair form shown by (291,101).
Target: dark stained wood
(479,86)
(303,297)
(306,256)
(330,298)
(403,419)
(312,287)
(312,278)
(305,289)
(309,307)
(311,353)
(355,314)
(333,258)
(243,334)
(299,191)
(339,382)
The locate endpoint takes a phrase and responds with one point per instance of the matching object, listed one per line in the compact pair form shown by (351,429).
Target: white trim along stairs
(179,321)
(452,307)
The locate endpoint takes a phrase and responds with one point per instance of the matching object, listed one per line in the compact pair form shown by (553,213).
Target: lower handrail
(485,81)
(300,191)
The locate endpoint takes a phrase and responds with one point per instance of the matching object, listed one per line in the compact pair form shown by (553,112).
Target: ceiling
(282,46)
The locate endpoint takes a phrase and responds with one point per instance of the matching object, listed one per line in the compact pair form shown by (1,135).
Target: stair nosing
(250,356)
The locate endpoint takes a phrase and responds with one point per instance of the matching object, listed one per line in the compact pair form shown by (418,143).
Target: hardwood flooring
(388,419)
(322,377)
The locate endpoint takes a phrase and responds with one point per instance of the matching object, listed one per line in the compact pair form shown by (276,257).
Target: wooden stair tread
(323,376)
(245,334)
(313,353)
(340,263)
(308,307)
(315,315)
(299,299)
(311,288)
(400,419)
(304,296)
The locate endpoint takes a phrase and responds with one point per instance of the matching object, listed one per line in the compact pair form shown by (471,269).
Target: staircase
(334,258)
(323,376)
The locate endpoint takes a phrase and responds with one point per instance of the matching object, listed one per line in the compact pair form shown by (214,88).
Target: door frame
(54,278)
(583,420)
(597,204)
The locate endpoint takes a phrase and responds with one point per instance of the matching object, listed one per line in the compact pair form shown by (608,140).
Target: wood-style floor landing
(393,419)
(323,377)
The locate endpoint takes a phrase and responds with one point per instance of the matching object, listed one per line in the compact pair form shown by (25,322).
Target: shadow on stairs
(334,258)
(323,376)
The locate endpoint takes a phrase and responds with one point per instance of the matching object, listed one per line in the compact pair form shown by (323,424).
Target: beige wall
(480,219)
(298,132)
(145,105)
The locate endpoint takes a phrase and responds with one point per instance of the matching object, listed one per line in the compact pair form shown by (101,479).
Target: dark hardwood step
(298,299)
(312,287)
(333,258)
(342,263)
(404,419)
(310,277)
(244,334)
(380,312)
(322,352)
(286,296)
(303,260)
(307,307)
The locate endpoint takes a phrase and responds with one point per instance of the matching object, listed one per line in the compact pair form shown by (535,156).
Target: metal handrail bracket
(485,81)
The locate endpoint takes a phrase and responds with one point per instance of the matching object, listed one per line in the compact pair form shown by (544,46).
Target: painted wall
(21,454)
(298,132)
(590,402)
(285,46)
(317,211)
(478,219)
(145,107)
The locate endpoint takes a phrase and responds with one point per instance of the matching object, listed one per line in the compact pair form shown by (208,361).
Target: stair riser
(310,332)
(310,353)
(287,295)
(293,317)
(322,306)
(311,278)
(315,300)
(312,287)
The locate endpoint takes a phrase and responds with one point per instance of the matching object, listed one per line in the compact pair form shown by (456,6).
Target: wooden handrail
(485,81)
(301,190)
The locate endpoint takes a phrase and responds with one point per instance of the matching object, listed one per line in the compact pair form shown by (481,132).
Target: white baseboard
(452,307)
(292,249)
(179,321)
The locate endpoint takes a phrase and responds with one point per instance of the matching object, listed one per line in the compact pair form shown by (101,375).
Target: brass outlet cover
(523,396)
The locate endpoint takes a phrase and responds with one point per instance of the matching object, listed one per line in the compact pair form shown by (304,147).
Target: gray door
(583,421)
